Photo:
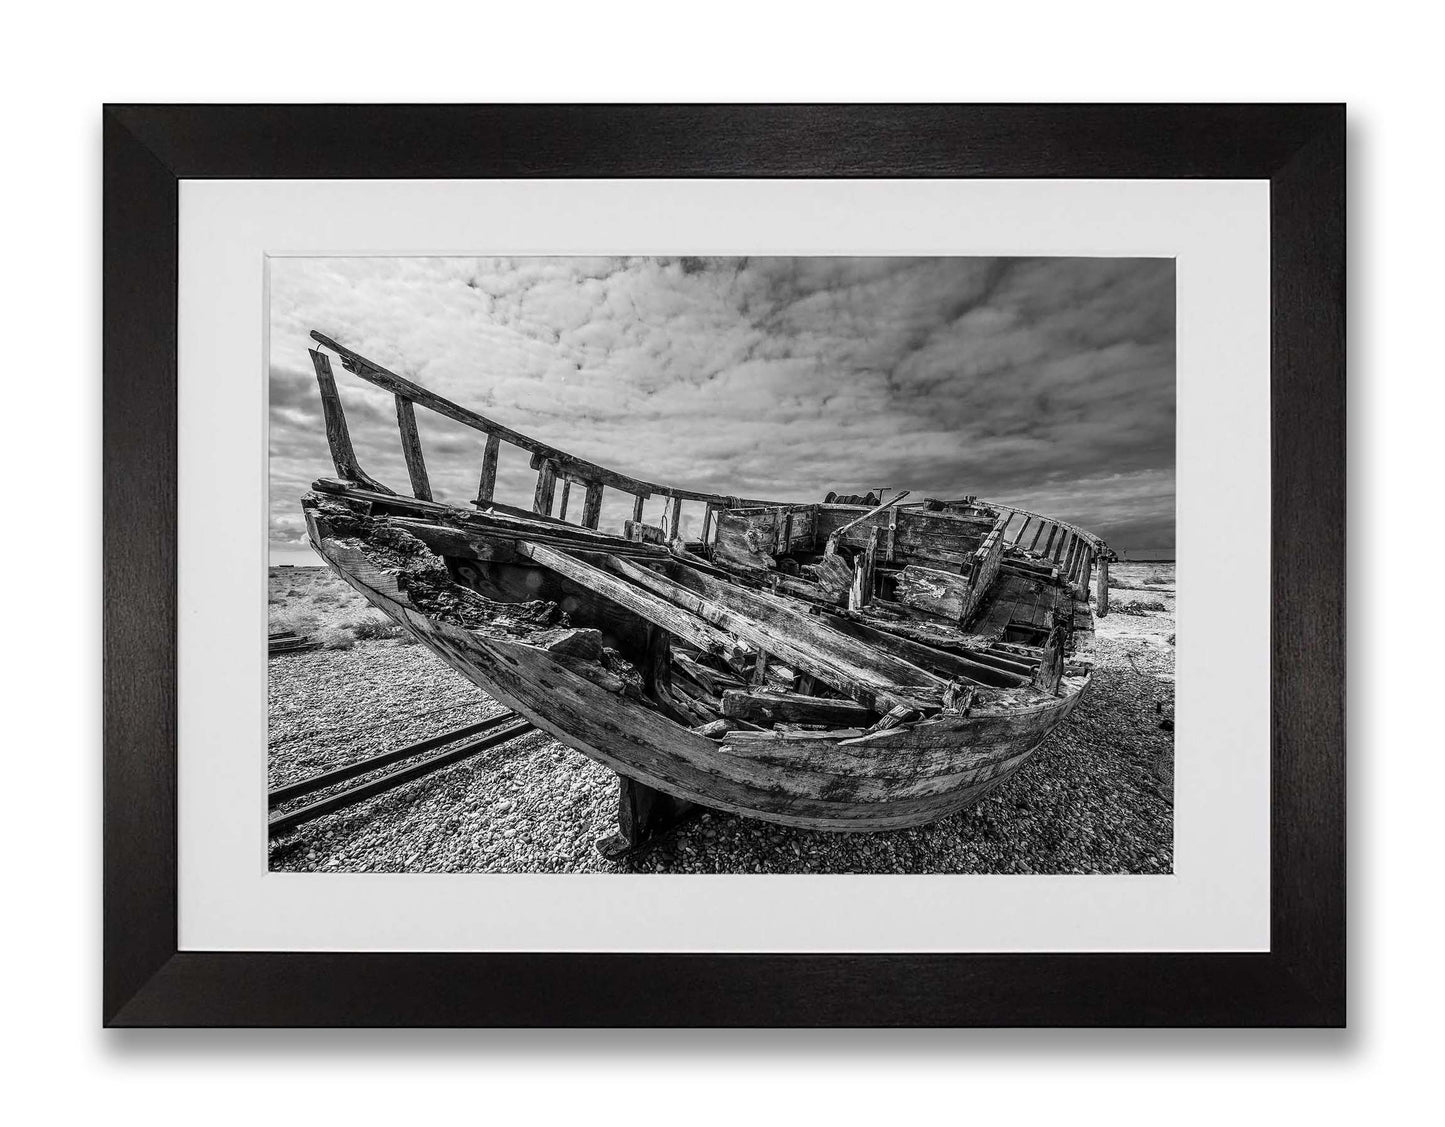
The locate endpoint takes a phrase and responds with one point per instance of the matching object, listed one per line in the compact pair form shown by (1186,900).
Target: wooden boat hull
(887,780)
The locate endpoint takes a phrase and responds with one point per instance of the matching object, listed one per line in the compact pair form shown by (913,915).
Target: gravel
(1097,797)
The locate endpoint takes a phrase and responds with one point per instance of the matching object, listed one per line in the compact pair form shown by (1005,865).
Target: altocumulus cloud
(1046,383)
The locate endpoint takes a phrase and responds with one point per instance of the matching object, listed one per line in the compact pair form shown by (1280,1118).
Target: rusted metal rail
(496,730)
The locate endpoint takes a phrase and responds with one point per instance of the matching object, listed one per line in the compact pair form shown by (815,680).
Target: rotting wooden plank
(775,625)
(658,611)
(411,448)
(637,503)
(773,708)
(712,680)
(932,591)
(487,485)
(674,518)
(592,505)
(566,495)
(338,437)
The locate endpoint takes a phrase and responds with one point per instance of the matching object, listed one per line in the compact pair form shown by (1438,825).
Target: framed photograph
(724,565)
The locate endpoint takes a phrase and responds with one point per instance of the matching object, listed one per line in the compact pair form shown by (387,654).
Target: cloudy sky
(1047,383)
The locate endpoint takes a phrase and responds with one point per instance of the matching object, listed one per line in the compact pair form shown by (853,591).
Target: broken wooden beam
(768,708)
(660,612)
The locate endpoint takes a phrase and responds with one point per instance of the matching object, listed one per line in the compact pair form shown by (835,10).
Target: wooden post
(338,438)
(546,483)
(706,524)
(674,517)
(566,493)
(488,484)
(1101,599)
(592,506)
(411,448)
(637,507)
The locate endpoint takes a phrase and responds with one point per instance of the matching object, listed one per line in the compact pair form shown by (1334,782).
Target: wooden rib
(660,612)
(338,437)
(546,483)
(1101,598)
(566,495)
(488,483)
(1037,533)
(411,449)
(674,517)
(592,506)
(637,502)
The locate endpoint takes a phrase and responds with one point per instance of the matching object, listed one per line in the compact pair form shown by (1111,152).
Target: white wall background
(63,62)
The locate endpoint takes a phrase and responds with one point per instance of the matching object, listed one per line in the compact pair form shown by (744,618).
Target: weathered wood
(637,503)
(1101,599)
(861,591)
(770,708)
(1050,670)
(566,496)
(707,524)
(338,437)
(658,611)
(411,448)
(546,483)
(837,535)
(645,816)
(674,518)
(714,681)
(1037,533)
(487,485)
(932,591)
(642,533)
(773,624)
(578,468)
(1022,529)
(592,505)
(760,670)
(1049,543)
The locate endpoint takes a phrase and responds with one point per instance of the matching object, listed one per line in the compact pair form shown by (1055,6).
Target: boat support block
(644,818)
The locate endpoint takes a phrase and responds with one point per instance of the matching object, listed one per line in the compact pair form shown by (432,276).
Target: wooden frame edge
(147,981)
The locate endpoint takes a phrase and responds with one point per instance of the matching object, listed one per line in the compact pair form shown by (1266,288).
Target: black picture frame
(1299,149)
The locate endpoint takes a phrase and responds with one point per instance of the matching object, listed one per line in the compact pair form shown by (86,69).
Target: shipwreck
(856,664)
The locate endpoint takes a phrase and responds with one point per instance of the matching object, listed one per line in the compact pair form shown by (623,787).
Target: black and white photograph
(768,565)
